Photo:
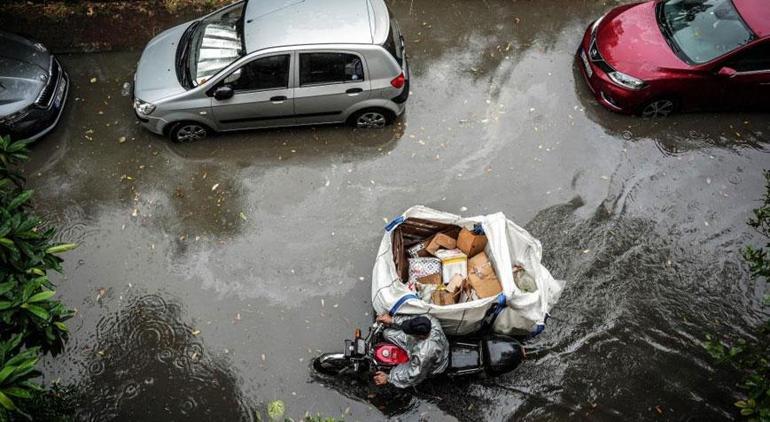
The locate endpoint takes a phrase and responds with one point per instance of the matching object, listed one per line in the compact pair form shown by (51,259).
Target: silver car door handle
(354,91)
(278,99)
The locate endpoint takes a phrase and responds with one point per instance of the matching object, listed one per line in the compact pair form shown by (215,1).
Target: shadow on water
(112,163)
(147,364)
(679,133)
(455,397)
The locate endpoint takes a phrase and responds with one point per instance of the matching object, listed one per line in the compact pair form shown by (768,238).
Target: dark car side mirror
(727,72)
(224,92)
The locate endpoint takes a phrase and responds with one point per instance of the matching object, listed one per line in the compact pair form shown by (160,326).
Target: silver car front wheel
(658,108)
(190,132)
(371,120)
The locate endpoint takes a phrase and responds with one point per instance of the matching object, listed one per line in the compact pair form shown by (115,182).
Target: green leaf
(4,304)
(20,199)
(37,311)
(747,411)
(41,297)
(5,372)
(17,392)
(60,325)
(6,402)
(6,287)
(741,404)
(275,409)
(64,247)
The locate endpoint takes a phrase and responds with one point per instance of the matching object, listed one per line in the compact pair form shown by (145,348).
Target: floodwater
(209,275)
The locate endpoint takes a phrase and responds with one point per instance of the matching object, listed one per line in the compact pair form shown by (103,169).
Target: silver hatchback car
(270,63)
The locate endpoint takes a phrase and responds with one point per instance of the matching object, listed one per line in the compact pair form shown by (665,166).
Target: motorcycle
(488,355)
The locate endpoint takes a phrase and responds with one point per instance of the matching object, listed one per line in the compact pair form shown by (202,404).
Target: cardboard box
(438,241)
(421,267)
(452,262)
(414,251)
(442,296)
(482,277)
(456,283)
(470,243)
(430,279)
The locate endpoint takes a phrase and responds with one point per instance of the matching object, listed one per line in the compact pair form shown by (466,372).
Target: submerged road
(209,275)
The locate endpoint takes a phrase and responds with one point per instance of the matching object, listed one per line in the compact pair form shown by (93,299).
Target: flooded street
(210,274)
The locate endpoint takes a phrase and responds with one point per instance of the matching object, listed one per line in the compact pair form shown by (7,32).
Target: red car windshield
(702,30)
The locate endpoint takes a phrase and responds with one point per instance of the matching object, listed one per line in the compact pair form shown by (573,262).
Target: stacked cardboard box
(453,265)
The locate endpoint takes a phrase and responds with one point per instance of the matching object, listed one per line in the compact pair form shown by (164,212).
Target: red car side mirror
(727,72)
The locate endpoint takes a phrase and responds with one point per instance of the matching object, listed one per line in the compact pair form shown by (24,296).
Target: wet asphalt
(209,274)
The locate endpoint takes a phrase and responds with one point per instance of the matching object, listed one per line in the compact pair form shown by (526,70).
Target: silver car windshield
(216,43)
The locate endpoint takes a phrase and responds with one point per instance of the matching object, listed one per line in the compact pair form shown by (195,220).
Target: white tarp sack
(518,312)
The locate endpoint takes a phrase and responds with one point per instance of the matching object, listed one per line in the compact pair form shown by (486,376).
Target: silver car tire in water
(372,118)
(186,132)
(663,107)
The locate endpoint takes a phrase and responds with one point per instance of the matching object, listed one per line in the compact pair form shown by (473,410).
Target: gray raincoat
(427,357)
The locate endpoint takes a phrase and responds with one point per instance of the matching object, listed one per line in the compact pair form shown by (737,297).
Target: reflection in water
(148,365)
(681,132)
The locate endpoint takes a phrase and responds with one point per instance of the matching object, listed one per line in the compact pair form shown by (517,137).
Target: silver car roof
(274,23)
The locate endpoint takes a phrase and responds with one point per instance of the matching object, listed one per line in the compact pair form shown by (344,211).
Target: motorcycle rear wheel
(331,363)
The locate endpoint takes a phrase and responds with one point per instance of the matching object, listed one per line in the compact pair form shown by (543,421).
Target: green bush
(752,359)
(31,321)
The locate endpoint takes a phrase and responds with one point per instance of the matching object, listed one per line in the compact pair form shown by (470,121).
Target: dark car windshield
(215,42)
(702,30)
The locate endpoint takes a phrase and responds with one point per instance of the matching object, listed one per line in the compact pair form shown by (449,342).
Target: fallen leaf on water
(100,293)
(196,332)
(275,409)
(243,216)
(93,80)
(121,139)
(215,186)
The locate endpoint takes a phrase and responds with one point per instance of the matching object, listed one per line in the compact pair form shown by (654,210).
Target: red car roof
(756,13)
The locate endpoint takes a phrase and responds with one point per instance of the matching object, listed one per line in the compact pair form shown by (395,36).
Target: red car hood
(630,41)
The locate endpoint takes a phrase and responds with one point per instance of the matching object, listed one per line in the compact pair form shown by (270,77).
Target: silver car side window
(329,68)
(261,74)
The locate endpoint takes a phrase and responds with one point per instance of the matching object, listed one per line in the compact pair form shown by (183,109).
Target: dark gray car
(33,88)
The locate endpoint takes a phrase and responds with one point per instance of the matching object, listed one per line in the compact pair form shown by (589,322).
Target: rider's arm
(408,374)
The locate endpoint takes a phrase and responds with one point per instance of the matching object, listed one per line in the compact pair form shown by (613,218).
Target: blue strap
(538,329)
(395,223)
(498,307)
(400,302)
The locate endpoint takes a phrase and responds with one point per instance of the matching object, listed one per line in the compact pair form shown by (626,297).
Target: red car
(662,56)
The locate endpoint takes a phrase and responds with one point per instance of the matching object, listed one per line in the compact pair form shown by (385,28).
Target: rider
(423,340)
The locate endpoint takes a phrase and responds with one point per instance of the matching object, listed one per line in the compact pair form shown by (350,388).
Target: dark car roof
(756,13)
(24,67)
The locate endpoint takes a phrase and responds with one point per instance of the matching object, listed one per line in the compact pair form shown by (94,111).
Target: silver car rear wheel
(190,132)
(371,120)
(658,108)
